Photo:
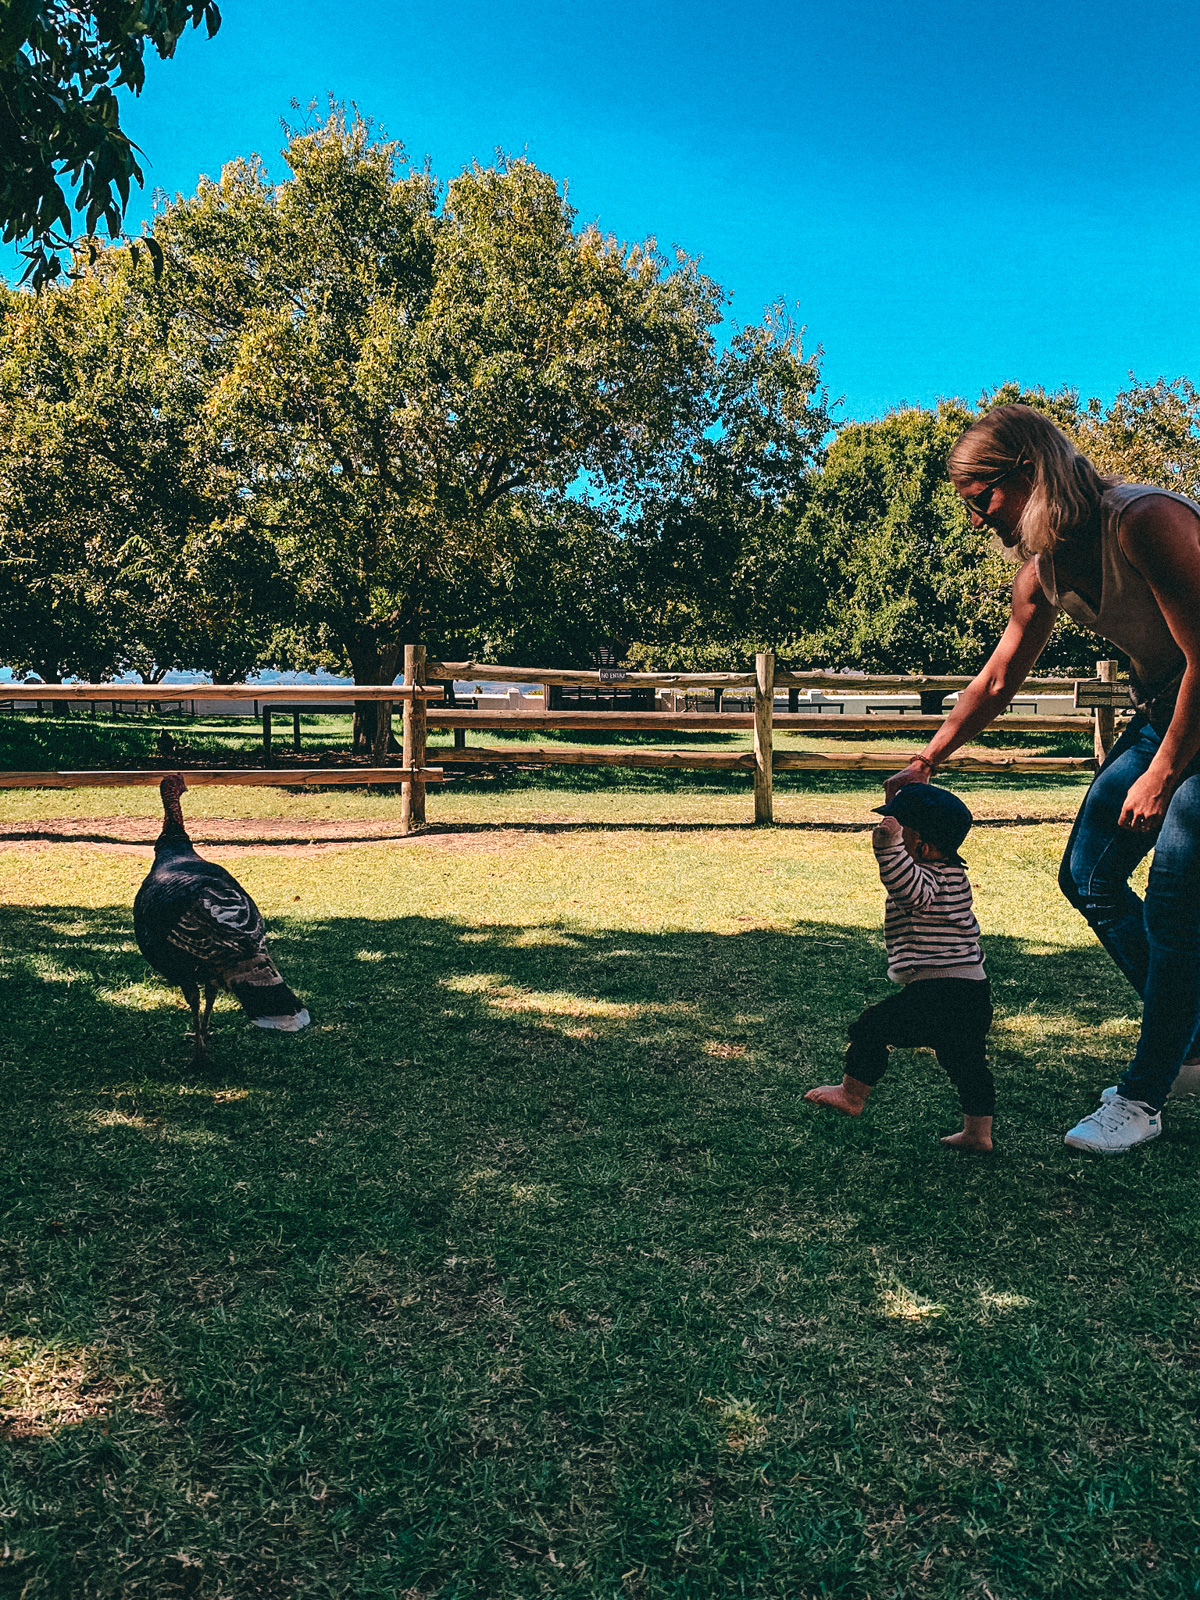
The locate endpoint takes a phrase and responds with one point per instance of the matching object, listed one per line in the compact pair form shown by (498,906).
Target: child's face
(919,849)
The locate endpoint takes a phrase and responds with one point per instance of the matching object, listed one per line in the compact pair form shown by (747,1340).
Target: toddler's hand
(887,832)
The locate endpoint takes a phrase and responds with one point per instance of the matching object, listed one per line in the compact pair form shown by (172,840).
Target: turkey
(197,926)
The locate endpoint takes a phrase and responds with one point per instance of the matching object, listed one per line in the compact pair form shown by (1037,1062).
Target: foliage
(1150,434)
(60,67)
(121,542)
(569,583)
(884,557)
(712,541)
(884,571)
(360,409)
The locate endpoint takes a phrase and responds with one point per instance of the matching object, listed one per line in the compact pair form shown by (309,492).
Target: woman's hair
(1065,487)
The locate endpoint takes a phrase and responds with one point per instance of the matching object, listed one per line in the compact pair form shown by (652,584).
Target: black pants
(949,1015)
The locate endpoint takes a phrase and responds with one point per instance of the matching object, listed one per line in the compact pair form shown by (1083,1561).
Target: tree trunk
(373,718)
(58,708)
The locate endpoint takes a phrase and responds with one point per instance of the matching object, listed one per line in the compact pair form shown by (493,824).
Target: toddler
(934,953)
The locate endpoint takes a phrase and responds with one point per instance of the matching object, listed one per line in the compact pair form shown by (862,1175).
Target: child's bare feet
(849,1096)
(976,1134)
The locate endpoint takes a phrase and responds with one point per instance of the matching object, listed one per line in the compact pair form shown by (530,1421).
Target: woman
(1123,560)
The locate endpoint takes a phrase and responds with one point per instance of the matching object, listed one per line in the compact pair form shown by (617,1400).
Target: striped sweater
(928,925)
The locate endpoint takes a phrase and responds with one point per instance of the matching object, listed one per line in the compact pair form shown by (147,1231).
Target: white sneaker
(1117,1126)
(1188,1082)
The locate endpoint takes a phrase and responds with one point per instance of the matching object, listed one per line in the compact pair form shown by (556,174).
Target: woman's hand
(918,770)
(1146,804)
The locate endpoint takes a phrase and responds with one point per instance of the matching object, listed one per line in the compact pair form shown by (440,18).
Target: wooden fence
(1100,697)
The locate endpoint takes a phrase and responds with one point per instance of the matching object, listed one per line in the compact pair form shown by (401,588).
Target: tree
(1150,434)
(121,545)
(60,67)
(384,373)
(572,583)
(893,578)
(713,536)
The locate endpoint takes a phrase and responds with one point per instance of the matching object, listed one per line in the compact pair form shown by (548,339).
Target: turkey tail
(262,994)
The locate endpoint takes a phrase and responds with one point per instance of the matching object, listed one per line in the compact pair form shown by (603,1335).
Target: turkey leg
(210,994)
(199,1048)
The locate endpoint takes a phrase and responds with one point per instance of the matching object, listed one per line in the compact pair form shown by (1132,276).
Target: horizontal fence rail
(743,760)
(839,682)
(825,723)
(277,777)
(264,694)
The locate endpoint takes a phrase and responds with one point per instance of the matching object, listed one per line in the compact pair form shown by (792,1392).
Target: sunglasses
(981,504)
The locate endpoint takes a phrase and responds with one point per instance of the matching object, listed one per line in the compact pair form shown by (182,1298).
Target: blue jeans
(1156,943)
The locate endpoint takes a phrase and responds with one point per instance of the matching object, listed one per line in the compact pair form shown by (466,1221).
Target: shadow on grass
(526,1269)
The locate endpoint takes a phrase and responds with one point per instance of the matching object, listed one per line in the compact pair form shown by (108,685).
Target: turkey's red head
(171,788)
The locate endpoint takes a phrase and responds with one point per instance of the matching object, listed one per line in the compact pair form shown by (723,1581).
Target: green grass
(78,741)
(525,1271)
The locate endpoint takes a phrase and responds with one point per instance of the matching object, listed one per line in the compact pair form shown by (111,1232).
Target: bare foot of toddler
(976,1134)
(849,1096)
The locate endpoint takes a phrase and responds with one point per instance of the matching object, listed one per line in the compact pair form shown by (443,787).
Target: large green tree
(883,556)
(385,369)
(61,66)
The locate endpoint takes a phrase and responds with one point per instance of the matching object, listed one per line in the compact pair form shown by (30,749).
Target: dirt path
(235,836)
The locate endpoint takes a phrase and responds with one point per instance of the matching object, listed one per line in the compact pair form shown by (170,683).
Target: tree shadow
(489,1228)
(495,1016)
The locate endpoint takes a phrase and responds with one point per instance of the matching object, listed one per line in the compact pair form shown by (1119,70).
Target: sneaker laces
(1115,1113)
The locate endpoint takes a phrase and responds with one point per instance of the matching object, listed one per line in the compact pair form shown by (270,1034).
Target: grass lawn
(525,1270)
(79,741)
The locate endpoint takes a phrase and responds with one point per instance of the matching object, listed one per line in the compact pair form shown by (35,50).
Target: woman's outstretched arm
(985,697)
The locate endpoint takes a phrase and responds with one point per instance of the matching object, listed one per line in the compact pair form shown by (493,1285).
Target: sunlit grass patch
(44,1389)
(151,995)
(1003,1300)
(505,997)
(901,1304)
(743,1423)
(117,1118)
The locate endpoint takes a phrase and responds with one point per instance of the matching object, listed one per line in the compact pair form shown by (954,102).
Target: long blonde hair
(1065,488)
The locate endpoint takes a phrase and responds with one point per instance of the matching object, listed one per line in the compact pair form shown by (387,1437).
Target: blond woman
(1123,560)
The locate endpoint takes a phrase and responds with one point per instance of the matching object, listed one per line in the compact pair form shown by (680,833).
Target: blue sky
(946,198)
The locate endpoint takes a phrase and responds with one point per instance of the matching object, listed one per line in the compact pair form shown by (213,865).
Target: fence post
(266,739)
(1104,725)
(764,711)
(412,791)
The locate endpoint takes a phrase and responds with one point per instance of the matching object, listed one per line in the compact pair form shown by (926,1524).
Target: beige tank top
(1127,614)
